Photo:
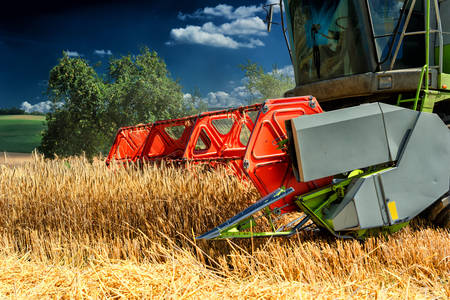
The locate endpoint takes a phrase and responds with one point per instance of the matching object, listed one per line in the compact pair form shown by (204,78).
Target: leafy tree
(262,85)
(88,109)
(75,123)
(141,90)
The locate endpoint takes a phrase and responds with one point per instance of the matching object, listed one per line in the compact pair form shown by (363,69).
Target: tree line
(88,108)
(16,111)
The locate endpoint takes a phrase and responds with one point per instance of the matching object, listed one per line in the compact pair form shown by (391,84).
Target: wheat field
(70,228)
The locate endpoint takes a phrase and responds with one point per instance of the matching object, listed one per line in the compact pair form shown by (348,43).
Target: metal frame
(261,160)
(128,142)
(429,97)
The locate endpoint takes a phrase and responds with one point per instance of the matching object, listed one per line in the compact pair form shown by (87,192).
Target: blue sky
(202,42)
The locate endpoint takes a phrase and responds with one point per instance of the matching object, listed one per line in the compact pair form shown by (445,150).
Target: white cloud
(222,99)
(240,92)
(223,10)
(42,107)
(253,43)
(248,26)
(216,36)
(276,8)
(219,99)
(246,11)
(195,35)
(187,96)
(181,16)
(240,32)
(72,53)
(102,52)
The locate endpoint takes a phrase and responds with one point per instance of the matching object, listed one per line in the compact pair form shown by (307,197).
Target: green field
(20,133)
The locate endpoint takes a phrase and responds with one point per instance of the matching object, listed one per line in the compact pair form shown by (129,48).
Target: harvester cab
(377,158)
(349,52)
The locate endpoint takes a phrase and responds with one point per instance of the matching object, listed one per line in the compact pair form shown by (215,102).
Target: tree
(74,125)
(141,89)
(88,109)
(261,85)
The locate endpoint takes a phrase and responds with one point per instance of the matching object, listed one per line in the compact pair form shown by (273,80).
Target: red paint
(266,166)
(128,142)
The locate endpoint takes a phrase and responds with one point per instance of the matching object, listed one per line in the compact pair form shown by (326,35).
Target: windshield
(385,16)
(329,39)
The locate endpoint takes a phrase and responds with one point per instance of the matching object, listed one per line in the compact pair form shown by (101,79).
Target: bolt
(246,164)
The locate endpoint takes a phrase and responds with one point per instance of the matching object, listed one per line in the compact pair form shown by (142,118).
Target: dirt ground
(13,158)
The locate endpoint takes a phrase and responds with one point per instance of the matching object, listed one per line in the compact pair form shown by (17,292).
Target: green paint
(444,79)
(21,133)
(247,235)
(429,97)
(365,233)
(446,60)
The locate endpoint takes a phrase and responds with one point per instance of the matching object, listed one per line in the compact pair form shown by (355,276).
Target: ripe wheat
(71,228)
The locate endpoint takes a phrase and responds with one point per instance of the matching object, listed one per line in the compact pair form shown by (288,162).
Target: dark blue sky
(202,42)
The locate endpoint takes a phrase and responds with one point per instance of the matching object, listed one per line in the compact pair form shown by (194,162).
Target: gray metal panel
(347,218)
(367,206)
(422,176)
(340,141)
(352,189)
(397,121)
(364,207)
(423,173)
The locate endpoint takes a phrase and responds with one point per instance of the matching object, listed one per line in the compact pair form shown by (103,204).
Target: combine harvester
(376,159)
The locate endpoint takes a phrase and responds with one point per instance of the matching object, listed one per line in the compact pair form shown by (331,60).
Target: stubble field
(74,229)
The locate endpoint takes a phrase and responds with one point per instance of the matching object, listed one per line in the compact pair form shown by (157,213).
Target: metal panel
(398,194)
(346,88)
(367,207)
(340,141)
(363,202)
(347,218)
(423,173)
(397,122)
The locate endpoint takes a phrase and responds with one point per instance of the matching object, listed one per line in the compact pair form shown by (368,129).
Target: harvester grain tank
(376,158)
